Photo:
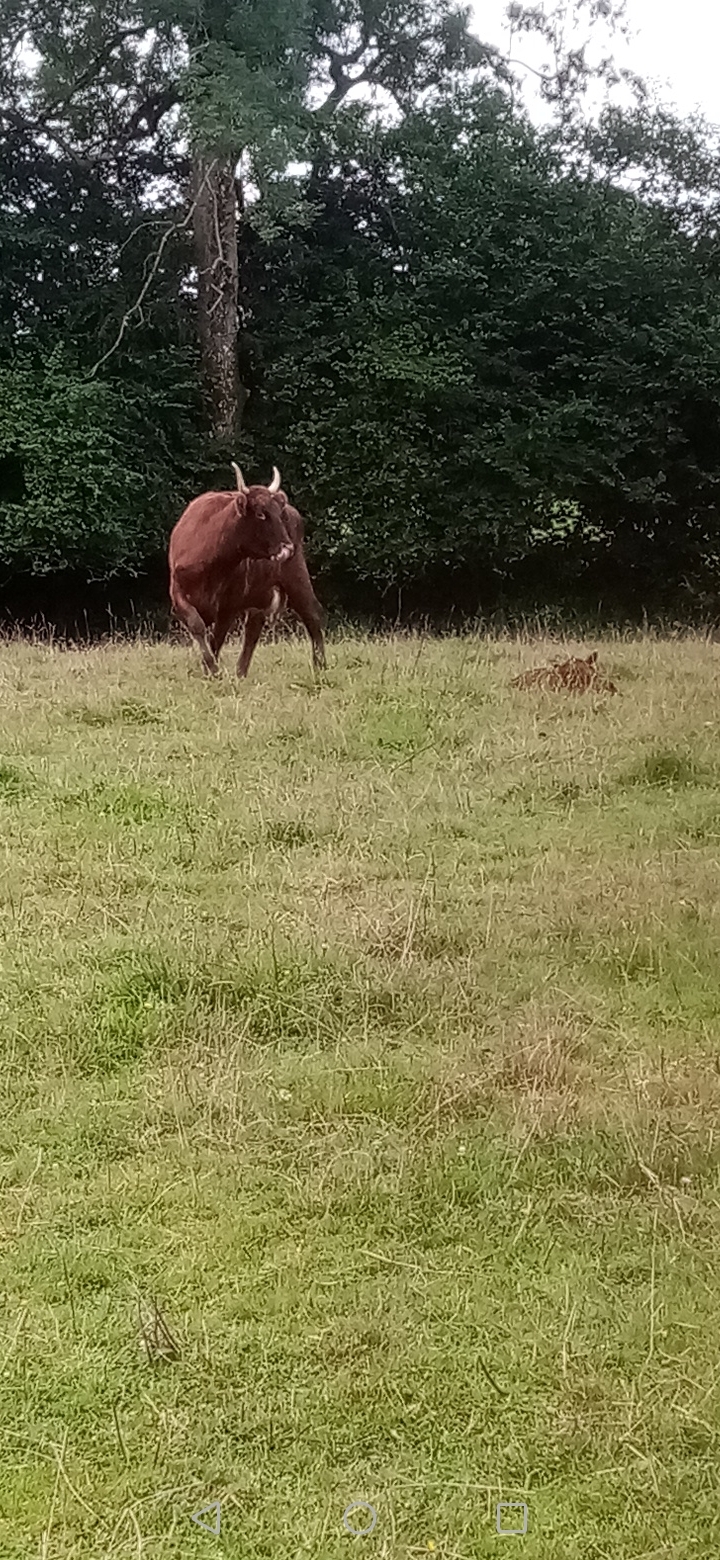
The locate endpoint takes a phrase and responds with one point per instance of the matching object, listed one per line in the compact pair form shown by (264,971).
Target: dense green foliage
(471,343)
(88,469)
(473,348)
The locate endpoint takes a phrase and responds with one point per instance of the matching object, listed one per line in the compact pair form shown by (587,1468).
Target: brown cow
(242,552)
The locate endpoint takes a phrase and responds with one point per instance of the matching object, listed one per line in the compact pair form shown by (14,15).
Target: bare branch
(148,222)
(524,66)
(136,308)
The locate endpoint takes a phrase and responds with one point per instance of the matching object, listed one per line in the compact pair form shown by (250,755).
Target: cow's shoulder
(205,529)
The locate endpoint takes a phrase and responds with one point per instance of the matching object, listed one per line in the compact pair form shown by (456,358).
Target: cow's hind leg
(297,585)
(254,623)
(189,615)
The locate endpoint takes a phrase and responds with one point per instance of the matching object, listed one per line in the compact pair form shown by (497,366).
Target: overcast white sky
(676,43)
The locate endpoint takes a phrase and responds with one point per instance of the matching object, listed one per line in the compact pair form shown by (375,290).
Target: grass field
(370,1030)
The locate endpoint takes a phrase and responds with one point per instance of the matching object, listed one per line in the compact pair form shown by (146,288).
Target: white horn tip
(275,484)
(242,486)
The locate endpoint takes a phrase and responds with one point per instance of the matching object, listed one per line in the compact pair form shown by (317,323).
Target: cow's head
(260,512)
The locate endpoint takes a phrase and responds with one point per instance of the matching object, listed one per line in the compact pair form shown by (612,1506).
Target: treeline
(486,357)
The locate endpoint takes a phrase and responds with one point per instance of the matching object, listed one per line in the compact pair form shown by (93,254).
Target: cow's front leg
(224,618)
(189,615)
(254,623)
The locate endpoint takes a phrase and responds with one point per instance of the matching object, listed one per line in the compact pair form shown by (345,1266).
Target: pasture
(370,1030)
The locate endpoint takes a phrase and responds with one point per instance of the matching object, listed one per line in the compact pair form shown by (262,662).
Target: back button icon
(197,1518)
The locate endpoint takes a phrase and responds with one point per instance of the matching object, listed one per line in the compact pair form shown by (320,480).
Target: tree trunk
(216,253)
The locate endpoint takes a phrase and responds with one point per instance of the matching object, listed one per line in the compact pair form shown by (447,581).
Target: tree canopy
(324,233)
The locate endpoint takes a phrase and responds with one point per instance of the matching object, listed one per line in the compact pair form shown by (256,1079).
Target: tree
(129,87)
(231,80)
(469,339)
(473,350)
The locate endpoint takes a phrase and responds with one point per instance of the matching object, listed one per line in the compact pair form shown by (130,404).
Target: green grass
(372,1029)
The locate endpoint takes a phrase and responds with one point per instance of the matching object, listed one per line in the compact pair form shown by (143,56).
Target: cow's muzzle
(284,553)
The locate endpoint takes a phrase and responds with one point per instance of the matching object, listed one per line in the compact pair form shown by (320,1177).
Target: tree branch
(84,163)
(151,110)
(338,64)
(343,85)
(541,73)
(91,72)
(20,122)
(136,308)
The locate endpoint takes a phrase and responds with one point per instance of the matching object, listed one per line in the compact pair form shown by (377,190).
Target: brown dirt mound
(575,675)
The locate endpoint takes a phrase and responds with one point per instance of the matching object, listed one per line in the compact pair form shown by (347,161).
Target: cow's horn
(242,485)
(275,484)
